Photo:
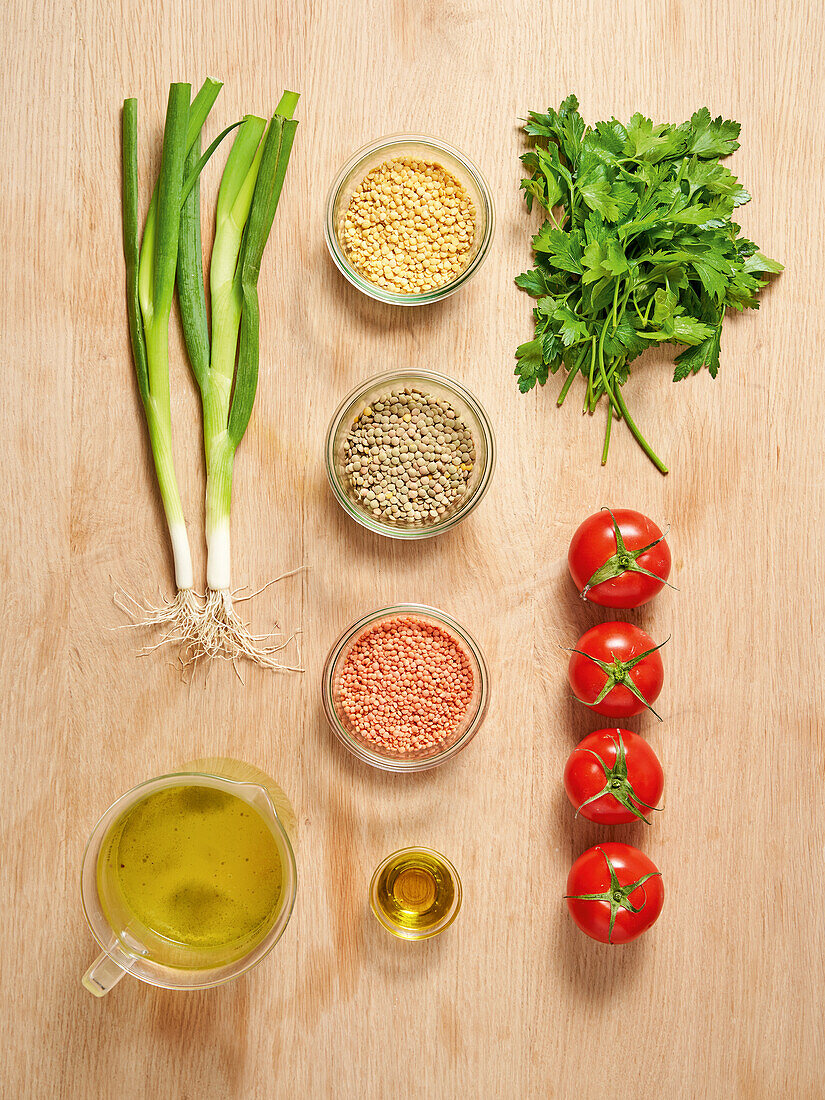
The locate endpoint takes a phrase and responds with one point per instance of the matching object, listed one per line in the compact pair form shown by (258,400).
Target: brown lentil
(408,458)
(405,686)
(409,226)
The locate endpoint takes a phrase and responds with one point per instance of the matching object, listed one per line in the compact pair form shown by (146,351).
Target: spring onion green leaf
(191,293)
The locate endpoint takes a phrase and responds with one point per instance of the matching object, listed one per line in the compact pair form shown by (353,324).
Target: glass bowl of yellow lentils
(409,219)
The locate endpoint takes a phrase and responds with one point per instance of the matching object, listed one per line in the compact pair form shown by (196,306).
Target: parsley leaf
(534,282)
(558,249)
(572,329)
(531,367)
(710,137)
(704,354)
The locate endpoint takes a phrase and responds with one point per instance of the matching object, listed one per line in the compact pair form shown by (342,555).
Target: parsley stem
(571,374)
(605,383)
(608,378)
(589,394)
(637,435)
(612,363)
(623,305)
(606,447)
(609,390)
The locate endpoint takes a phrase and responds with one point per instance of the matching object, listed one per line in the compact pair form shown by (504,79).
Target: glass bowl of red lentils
(409,219)
(409,454)
(405,688)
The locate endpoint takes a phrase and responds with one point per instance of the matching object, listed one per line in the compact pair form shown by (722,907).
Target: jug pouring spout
(260,798)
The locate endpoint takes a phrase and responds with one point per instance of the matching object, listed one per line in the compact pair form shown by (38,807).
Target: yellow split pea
(409,226)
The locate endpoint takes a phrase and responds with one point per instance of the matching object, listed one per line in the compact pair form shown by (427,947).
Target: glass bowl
(424,148)
(438,385)
(424,759)
(396,862)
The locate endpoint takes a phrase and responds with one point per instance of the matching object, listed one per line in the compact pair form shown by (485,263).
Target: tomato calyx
(623,561)
(618,674)
(617,784)
(616,895)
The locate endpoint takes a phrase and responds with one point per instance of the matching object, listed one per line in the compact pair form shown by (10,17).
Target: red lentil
(405,686)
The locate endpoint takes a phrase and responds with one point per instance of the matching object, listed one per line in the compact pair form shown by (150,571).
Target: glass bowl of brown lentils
(409,220)
(410,454)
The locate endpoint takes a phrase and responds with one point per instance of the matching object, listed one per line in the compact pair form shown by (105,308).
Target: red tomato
(618,558)
(614,892)
(616,669)
(613,776)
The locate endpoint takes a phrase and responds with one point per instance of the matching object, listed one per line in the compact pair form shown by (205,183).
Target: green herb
(639,248)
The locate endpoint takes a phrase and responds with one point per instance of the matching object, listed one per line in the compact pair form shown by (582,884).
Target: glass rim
(160,975)
(472,499)
(399,765)
(353,276)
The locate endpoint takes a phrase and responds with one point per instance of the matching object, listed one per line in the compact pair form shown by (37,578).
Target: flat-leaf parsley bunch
(639,248)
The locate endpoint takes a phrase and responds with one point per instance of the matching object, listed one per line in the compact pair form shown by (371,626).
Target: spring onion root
(180,617)
(225,365)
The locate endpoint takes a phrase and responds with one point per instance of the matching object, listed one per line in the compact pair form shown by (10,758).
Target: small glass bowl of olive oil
(415,893)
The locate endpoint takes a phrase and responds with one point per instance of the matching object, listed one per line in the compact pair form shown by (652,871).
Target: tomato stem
(616,896)
(618,674)
(617,784)
(624,560)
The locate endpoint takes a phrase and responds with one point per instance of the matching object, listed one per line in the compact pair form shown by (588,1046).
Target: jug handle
(104,973)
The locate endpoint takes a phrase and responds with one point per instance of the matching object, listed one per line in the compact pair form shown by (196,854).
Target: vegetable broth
(193,873)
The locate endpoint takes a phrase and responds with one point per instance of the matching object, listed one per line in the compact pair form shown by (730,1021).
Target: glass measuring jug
(188,880)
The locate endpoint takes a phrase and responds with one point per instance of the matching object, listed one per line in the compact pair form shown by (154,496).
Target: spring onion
(226,367)
(150,282)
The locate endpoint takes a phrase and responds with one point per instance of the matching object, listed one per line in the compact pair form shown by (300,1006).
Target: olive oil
(416,893)
(192,873)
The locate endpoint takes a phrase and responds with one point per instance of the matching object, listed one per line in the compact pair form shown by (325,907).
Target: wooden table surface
(723,997)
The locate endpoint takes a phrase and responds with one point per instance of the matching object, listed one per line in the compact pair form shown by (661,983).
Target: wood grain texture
(723,997)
